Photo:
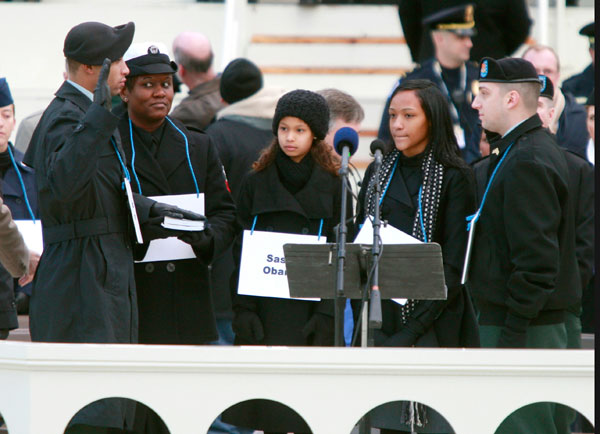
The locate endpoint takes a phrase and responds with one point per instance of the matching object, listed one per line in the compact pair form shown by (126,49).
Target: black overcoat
(453,324)
(263,195)
(523,267)
(84,288)
(174,297)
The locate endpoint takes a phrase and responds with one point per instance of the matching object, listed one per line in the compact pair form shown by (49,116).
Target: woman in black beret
(293,188)
(428,191)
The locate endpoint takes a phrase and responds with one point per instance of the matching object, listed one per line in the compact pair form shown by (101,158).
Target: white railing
(44,385)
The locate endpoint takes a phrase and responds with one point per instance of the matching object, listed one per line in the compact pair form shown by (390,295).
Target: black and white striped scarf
(413,413)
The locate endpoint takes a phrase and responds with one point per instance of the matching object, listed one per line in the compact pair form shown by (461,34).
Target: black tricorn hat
(92,42)
(507,70)
(547,90)
(146,58)
(457,19)
(588,30)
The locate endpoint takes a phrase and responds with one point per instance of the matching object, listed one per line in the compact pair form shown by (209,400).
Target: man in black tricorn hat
(523,270)
(84,289)
(581,85)
(450,70)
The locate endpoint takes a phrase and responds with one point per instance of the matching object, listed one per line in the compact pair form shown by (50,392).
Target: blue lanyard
(256,218)
(122,164)
(14,162)
(474,217)
(420,194)
(187,153)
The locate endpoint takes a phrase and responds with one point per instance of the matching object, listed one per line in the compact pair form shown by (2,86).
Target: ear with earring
(125,99)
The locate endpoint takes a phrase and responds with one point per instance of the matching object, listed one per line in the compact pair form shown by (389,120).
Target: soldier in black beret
(523,268)
(450,70)
(84,290)
(580,85)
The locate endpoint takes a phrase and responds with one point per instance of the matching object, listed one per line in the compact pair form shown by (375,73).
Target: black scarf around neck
(294,176)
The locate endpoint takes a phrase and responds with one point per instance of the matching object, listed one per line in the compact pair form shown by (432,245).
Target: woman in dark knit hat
(428,191)
(293,188)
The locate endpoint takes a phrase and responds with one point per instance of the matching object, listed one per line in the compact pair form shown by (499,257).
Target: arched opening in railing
(116,413)
(265,415)
(405,416)
(545,417)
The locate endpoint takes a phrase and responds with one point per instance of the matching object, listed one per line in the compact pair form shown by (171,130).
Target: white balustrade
(44,385)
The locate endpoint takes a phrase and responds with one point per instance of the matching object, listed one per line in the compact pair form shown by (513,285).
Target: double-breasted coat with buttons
(84,288)
(174,298)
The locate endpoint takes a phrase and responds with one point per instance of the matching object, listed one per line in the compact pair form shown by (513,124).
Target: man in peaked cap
(84,291)
(523,271)
(450,70)
(581,85)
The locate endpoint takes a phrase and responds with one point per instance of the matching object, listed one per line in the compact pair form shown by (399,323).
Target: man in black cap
(84,289)
(451,31)
(523,271)
(502,26)
(581,85)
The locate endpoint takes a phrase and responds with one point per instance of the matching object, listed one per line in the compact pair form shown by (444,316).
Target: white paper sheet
(32,234)
(172,249)
(262,268)
(389,235)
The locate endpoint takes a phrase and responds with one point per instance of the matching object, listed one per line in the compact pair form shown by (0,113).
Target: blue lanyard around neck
(125,171)
(16,166)
(420,194)
(187,153)
(256,218)
(474,217)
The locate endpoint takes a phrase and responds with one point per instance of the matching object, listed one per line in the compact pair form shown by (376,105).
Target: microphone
(345,142)
(378,148)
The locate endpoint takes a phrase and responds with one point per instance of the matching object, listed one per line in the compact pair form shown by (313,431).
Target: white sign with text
(262,268)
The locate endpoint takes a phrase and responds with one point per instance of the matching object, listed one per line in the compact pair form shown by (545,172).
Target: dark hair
(319,150)
(441,132)
(191,63)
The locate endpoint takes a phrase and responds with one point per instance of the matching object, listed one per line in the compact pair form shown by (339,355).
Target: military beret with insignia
(547,90)
(92,42)
(507,70)
(147,58)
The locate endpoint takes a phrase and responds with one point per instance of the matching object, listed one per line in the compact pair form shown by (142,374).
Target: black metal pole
(340,300)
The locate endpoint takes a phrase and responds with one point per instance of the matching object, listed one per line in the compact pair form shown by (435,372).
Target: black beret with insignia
(5,95)
(507,70)
(457,19)
(92,42)
(547,90)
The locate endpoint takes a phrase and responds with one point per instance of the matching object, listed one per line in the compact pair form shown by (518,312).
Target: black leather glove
(102,95)
(247,326)
(511,337)
(152,230)
(201,241)
(404,338)
(160,209)
(322,329)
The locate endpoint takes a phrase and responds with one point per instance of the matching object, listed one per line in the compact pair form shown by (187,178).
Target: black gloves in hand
(153,229)
(322,329)
(160,209)
(404,338)
(248,327)
(102,94)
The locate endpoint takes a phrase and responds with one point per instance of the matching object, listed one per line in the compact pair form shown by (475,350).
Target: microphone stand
(340,300)
(375,319)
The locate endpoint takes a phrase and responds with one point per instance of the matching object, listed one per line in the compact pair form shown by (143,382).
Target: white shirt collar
(513,127)
(82,89)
